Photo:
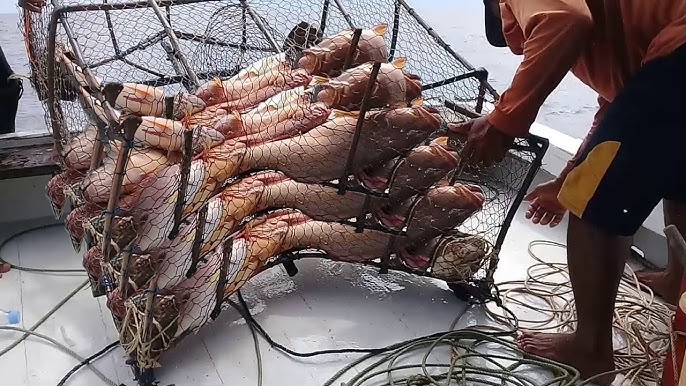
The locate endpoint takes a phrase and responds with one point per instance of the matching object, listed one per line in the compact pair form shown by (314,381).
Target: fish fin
(399,63)
(380,29)
(441,141)
(417,101)
(316,79)
(341,113)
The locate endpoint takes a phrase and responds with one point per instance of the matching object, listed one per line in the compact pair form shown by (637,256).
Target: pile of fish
(268,146)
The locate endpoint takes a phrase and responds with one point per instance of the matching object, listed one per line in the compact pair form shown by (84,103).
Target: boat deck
(326,305)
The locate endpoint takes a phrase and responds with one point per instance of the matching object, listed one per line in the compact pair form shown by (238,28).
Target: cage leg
(221,286)
(197,241)
(176,65)
(129,127)
(343,182)
(183,183)
(482,76)
(291,268)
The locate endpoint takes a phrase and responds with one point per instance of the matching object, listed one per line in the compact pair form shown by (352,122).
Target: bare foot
(564,348)
(662,283)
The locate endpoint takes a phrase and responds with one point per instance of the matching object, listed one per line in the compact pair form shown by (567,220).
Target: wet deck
(327,305)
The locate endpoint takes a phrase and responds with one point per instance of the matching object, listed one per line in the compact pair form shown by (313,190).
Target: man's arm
(602,108)
(555,33)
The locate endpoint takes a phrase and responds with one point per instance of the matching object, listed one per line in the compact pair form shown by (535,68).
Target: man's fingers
(547,218)
(556,220)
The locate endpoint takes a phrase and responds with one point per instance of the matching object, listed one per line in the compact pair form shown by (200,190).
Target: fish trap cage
(202,142)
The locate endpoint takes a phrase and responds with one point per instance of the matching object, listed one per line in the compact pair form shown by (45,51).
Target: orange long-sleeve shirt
(556,36)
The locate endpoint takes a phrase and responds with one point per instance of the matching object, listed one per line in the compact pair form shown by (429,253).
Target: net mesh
(203,142)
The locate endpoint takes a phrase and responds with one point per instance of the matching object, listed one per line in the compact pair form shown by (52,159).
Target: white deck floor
(325,306)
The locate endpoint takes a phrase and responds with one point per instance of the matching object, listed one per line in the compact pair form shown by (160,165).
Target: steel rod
(178,54)
(197,241)
(149,305)
(129,127)
(471,74)
(183,183)
(353,47)
(343,182)
(176,65)
(442,43)
(345,14)
(260,25)
(394,33)
(325,15)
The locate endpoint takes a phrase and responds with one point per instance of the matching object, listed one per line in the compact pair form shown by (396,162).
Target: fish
(97,183)
(75,220)
(167,134)
(436,212)
(327,58)
(145,100)
(347,90)
(55,189)
(78,152)
(254,84)
(413,174)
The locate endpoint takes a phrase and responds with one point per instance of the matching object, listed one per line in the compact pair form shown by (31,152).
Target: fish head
(92,262)
(297,77)
(311,60)
(211,92)
(206,138)
(458,257)
(442,209)
(419,118)
(413,87)
(186,105)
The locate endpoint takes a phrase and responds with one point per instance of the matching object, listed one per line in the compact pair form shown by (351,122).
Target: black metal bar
(543,144)
(169,108)
(167,80)
(345,14)
(129,127)
(291,268)
(353,47)
(394,33)
(442,43)
(148,42)
(343,182)
(142,68)
(197,241)
(260,25)
(176,65)
(461,110)
(362,216)
(325,15)
(127,5)
(244,46)
(472,74)
(183,183)
(149,310)
(177,53)
(110,28)
(124,279)
(244,32)
(483,82)
(221,285)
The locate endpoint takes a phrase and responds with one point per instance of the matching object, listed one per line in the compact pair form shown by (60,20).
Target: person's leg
(10,93)
(616,183)
(667,282)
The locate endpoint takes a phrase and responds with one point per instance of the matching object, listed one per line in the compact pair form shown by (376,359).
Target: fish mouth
(372,182)
(390,221)
(416,262)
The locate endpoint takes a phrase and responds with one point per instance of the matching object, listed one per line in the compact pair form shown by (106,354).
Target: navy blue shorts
(637,155)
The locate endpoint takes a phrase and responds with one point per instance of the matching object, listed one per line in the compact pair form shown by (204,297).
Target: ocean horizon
(569,109)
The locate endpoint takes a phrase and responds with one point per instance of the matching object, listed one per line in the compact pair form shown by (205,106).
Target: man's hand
(544,208)
(485,143)
(32,5)
(4,267)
